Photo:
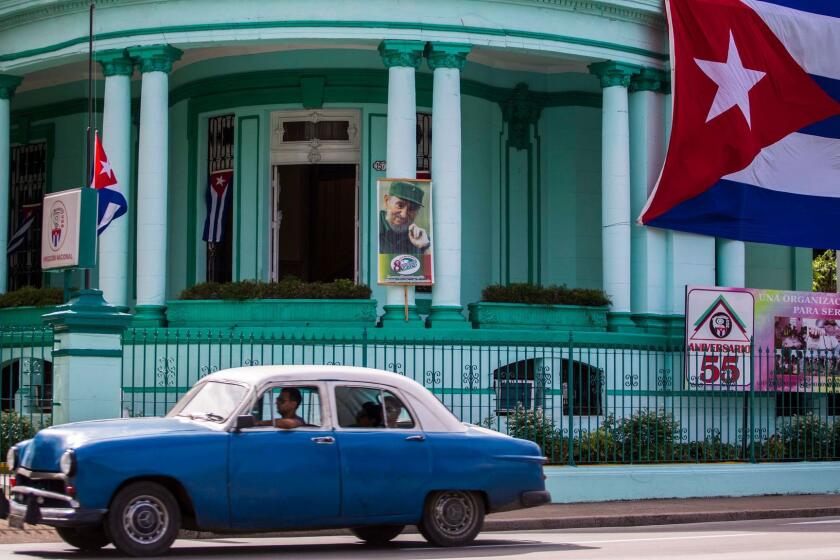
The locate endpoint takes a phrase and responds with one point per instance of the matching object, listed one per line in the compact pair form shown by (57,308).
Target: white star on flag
(220,181)
(734,82)
(106,168)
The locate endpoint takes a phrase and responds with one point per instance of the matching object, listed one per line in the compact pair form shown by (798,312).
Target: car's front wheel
(452,517)
(378,534)
(144,519)
(84,538)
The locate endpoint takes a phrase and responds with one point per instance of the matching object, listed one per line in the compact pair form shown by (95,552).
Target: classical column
(7,90)
(446,61)
(648,298)
(730,264)
(152,170)
(615,188)
(116,138)
(401,58)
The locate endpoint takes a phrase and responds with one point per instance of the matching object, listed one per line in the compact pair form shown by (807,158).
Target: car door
(386,463)
(285,477)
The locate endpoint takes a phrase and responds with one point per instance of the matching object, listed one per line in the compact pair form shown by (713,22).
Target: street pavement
(765,539)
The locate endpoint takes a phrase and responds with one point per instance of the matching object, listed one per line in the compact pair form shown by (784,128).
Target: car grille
(49,484)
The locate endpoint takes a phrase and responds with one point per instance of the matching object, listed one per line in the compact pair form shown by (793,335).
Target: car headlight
(67,464)
(11,458)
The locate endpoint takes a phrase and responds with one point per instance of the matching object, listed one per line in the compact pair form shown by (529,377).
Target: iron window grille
(220,146)
(28,180)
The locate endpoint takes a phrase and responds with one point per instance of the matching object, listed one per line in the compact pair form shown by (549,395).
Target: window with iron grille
(220,157)
(28,180)
(424,145)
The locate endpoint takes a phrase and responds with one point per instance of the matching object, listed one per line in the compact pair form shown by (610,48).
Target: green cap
(407,191)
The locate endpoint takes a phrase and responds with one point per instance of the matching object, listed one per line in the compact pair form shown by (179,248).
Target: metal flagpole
(88,154)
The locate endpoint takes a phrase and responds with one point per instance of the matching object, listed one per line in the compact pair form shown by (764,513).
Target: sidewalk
(595,514)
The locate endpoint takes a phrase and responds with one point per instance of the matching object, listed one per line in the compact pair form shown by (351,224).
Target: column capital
(115,62)
(8,84)
(401,53)
(614,73)
(155,58)
(447,55)
(648,79)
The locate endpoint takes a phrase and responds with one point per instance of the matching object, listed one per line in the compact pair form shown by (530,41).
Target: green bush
(545,295)
(30,296)
(15,428)
(287,288)
(806,437)
(645,437)
(534,425)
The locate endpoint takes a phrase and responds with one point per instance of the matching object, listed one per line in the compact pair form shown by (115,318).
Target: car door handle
(416,438)
(324,440)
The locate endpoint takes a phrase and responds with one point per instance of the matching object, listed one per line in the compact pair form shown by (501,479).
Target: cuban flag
(112,203)
(218,198)
(18,239)
(754,152)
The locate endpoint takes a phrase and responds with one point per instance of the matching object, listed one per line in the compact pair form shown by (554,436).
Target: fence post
(87,358)
(364,347)
(752,400)
(570,392)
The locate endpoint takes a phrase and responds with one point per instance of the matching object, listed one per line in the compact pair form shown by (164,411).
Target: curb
(638,520)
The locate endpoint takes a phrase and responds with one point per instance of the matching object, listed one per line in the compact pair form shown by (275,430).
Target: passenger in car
(393,408)
(287,404)
(369,416)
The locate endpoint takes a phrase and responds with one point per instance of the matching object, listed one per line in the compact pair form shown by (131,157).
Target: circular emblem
(58,221)
(405,264)
(720,324)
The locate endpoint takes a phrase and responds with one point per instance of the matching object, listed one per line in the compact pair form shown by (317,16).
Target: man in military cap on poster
(398,234)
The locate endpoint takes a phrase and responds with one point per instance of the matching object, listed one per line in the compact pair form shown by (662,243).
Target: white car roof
(433,415)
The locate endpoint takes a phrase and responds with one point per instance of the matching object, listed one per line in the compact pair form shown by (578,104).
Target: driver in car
(287,403)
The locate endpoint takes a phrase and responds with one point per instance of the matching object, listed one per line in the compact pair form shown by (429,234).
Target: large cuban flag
(754,152)
(112,203)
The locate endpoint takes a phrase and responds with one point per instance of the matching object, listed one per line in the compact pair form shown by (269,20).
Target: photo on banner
(406,237)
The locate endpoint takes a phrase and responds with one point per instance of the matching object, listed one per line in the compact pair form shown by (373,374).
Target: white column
(730,263)
(615,188)
(116,139)
(7,90)
(152,174)
(649,245)
(402,58)
(447,60)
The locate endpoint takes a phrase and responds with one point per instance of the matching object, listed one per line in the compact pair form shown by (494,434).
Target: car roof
(434,416)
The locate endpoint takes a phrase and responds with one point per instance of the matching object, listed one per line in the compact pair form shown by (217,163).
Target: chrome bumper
(535,498)
(30,510)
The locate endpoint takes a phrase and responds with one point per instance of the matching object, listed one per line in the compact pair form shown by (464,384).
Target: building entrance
(314,216)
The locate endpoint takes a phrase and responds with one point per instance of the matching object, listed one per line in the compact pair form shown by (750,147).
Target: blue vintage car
(272,448)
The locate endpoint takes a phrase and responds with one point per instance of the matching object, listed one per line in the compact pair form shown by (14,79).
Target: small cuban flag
(18,239)
(112,203)
(218,198)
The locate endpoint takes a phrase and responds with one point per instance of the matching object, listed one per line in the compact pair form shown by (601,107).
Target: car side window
(371,408)
(288,407)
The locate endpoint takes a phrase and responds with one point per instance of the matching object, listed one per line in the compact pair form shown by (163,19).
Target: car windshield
(213,401)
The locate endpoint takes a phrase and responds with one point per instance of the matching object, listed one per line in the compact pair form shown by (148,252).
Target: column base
(621,321)
(652,323)
(676,325)
(447,317)
(394,318)
(149,316)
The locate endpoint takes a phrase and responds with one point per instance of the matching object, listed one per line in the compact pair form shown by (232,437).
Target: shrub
(806,437)
(545,295)
(645,437)
(31,296)
(15,428)
(535,426)
(287,288)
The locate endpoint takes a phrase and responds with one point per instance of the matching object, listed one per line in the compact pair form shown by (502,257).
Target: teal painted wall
(778,267)
(177,201)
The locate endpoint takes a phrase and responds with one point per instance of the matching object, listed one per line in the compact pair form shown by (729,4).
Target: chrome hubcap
(454,513)
(145,519)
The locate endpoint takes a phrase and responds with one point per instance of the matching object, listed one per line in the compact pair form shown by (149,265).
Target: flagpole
(88,155)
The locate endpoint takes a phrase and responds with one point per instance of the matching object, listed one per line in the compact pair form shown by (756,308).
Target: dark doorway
(317,228)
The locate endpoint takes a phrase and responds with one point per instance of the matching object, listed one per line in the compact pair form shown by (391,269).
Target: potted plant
(26,306)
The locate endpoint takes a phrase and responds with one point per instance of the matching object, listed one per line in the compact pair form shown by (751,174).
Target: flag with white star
(112,203)
(754,152)
(218,198)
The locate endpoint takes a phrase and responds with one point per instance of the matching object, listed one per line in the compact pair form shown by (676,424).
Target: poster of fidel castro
(405,232)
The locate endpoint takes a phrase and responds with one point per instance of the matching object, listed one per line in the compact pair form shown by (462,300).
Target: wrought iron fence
(582,403)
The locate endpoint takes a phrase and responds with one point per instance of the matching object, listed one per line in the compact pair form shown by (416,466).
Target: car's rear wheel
(452,517)
(144,519)
(84,538)
(378,534)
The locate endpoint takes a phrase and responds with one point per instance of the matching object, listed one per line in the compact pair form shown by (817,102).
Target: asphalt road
(783,539)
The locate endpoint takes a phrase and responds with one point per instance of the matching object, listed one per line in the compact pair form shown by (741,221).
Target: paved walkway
(596,514)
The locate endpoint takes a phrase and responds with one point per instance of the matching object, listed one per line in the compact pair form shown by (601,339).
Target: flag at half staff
(112,203)
(218,198)
(754,152)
